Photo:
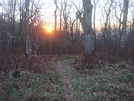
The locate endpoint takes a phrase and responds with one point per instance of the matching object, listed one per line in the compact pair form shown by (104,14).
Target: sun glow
(49,29)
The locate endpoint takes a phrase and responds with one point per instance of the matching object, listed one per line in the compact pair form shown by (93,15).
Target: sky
(48,7)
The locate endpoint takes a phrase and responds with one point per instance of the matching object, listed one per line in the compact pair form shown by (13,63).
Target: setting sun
(49,29)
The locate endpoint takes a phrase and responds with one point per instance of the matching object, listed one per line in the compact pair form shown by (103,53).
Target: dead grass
(41,82)
(32,87)
(95,78)
(109,82)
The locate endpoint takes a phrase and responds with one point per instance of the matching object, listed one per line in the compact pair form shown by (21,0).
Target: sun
(49,29)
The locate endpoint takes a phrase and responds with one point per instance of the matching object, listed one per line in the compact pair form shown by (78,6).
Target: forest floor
(67,78)
(68,89)
(106,82)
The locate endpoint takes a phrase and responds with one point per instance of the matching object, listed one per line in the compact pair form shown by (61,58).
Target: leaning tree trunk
(87,27)
(124,26)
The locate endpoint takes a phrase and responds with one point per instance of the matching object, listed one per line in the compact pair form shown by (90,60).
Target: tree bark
(27,32)
(124,25)
(55,15)
(87,27)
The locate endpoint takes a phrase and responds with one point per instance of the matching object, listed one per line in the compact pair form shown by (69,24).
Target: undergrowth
(32,87)
(102,84)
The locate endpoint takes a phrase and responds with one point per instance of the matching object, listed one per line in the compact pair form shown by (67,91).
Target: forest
(66,50)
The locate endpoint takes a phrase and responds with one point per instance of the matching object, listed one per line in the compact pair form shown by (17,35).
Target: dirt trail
(68,88)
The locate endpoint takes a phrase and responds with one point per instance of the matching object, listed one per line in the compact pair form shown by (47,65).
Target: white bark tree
(124,25)
(86,21)
(27,32)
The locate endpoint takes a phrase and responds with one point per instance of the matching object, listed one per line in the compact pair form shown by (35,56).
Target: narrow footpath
(68,88)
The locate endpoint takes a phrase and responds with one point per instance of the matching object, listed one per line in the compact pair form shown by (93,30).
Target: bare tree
(10,13)
(95,4)
(86,21)
(13,10)
(108,12)
(55,15)
(27,33)
(124,26)
(119,18)
(65,16)
(87,26)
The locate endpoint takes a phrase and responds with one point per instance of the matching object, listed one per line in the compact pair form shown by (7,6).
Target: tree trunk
(124,26)
(27,32)
(95,4)
(87,27)
(13,18)
(89,43)
(55,16)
